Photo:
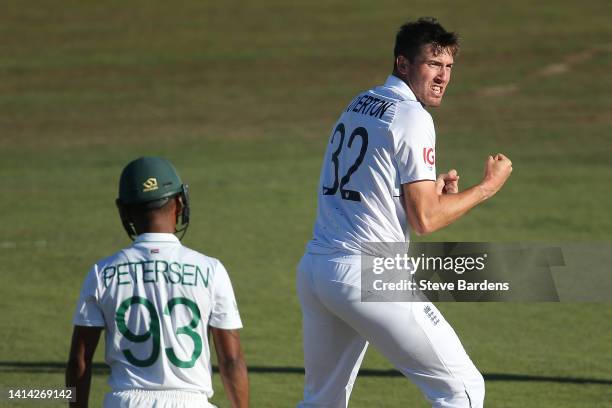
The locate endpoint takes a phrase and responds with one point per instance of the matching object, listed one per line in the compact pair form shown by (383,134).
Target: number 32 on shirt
(339,184)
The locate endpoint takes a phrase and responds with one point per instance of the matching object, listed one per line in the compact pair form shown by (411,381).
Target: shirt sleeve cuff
(226,323)
(413,179)
(88,323)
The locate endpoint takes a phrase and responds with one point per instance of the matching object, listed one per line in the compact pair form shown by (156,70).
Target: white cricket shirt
(156,300)
(383,139)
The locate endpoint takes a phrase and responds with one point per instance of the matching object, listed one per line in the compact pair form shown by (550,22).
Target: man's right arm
(78,370)
(429,211)
(232,366)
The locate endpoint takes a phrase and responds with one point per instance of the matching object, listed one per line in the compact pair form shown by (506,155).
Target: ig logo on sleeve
(429,156)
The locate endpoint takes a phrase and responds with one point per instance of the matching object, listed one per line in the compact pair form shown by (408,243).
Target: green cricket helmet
(149,183)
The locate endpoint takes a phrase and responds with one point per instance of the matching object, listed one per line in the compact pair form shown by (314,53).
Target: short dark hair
(413,35)
(150,206)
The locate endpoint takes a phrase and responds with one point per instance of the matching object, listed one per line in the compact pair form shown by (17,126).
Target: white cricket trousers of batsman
(156,399)
(338,327)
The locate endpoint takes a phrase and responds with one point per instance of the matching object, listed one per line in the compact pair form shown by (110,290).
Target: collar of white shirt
(156,237)
(400,87)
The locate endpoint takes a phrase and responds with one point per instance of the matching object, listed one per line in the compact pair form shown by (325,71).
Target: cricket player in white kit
(377,183)
(157,301)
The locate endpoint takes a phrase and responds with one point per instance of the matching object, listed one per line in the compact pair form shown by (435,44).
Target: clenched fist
(496,172)
(448,183)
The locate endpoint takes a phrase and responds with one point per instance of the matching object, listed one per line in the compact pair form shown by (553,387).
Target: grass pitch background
(241,97)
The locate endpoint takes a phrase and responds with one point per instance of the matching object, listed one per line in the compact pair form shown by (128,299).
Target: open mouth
(437,90)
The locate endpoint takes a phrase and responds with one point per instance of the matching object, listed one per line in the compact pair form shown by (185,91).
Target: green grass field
(241,97)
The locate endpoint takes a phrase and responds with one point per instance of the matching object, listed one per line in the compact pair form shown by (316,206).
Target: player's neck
(157,226)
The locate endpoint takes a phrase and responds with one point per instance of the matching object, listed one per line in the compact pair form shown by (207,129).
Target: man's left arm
(78,371)
(224,324)
(232,366)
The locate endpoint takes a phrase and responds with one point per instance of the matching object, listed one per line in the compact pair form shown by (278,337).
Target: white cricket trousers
(156,399)
(414,336)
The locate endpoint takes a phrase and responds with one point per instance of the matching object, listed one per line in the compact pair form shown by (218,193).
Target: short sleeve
(224,313)
(88,312)
(415,145)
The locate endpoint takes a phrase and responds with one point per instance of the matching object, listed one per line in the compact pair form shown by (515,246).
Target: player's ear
(402,64)
(178,206)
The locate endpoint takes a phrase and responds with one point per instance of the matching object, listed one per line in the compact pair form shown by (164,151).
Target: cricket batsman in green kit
(156,301)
